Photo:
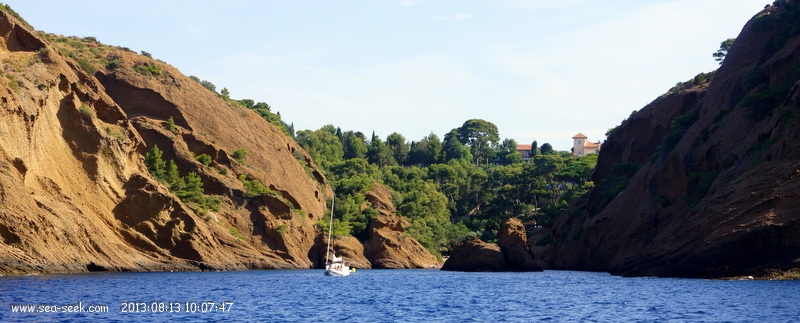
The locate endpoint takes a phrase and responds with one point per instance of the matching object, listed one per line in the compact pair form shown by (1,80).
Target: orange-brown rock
(75,194)
(512,245)
(513,241)
(380,198)
(349,248)
(708,172)
(389,247)
(476,255)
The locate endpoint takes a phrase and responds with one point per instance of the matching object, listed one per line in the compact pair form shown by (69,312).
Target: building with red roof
(582,146)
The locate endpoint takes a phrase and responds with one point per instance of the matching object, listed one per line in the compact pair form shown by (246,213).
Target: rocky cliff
(510,253)
(702,182)
(78,119)
(387,245)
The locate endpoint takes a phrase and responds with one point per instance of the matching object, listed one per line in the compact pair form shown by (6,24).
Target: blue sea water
(393,296)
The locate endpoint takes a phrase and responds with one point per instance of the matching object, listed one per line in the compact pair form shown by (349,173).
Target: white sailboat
(334,266)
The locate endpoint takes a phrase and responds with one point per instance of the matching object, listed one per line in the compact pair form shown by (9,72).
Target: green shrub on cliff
(147,69)
(235,232)
(188,188)
(87,66)
(254,188)
(282,229)
(171,125)
(204,159)
(113,65)
(240,154)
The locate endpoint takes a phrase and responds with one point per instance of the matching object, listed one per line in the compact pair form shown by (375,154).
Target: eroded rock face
(389,247)
(476,255)
(713,190)
(76,196)
(512,245)
(380,199)
(513,241)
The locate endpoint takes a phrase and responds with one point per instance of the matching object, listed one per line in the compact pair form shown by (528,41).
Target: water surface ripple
(400,296)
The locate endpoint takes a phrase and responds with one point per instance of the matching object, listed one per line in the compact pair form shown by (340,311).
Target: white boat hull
(330,272)
(337,269)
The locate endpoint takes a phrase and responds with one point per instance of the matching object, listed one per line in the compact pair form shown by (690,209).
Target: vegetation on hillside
(441,187)
(188,188)
(6,8)
(724,47)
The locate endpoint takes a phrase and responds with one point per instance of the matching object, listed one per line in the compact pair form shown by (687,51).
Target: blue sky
(540,70)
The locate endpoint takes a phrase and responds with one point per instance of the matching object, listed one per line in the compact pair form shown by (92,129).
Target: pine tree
(174,178)
(171,125)
(194,187)
(155,163)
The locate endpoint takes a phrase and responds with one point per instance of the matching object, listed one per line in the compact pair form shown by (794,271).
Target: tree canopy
(481,136)
(724,47)
(445,192)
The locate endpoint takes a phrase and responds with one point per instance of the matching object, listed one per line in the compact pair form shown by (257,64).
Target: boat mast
(330,231)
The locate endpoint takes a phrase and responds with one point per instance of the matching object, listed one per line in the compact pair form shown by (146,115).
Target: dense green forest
(464,185)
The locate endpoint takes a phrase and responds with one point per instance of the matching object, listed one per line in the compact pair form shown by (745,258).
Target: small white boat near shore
(337,267)
(334,266)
